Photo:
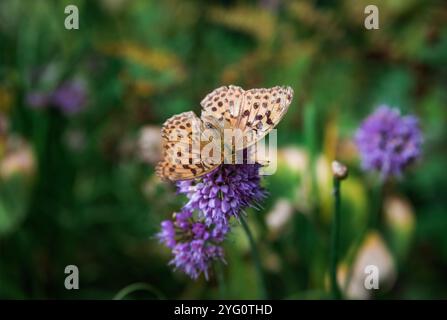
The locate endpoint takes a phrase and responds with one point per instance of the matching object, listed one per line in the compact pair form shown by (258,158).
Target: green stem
(375,217)
(221,280)
(335,290)
(256,259)
(139,286)
(310,123)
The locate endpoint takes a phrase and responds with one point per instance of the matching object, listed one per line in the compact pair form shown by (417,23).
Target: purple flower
(194,257)
(70,97)
(167,234)
(224,193)
(194,246)
(215,198)
(37,99)
(388,142)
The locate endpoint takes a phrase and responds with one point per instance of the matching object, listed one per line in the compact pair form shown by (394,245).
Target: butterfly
(186,138)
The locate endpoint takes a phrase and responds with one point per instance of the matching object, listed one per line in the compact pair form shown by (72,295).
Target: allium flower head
(388,142)
(224,193)
(195,240)
(193,244)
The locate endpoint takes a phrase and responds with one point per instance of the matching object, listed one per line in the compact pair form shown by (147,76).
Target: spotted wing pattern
(181,147)
(254,112)
(261,111)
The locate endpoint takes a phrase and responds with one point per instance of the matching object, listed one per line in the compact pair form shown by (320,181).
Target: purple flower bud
(167,234)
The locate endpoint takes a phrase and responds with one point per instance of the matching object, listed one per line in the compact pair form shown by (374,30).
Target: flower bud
(339,170)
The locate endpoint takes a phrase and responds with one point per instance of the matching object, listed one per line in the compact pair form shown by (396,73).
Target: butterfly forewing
(261,111)
(224,104)
(256,112)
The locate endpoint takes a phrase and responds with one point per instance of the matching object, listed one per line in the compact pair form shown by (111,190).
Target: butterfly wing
(181,149)
(255,112)
(262,110)
(223,104)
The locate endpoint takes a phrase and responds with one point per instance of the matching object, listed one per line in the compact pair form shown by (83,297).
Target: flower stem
(335,290)
(256,259)
(138,286)
(375,215)
(221,280)
(310,125)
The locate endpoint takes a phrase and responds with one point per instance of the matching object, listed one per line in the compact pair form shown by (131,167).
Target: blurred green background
(77,182)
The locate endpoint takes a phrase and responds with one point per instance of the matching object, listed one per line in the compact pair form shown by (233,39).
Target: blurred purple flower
(216,198)
(167,234)
(37,99)
(70,97)
(388,142)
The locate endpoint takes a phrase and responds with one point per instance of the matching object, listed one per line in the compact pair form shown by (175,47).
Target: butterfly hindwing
(181,148)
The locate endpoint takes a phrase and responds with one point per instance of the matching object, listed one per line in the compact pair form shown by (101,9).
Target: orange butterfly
(186,137)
